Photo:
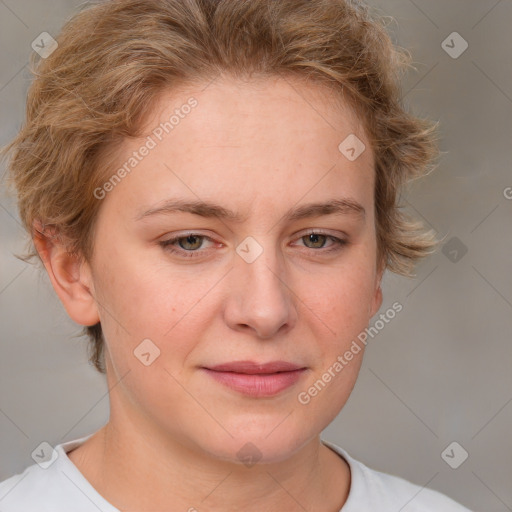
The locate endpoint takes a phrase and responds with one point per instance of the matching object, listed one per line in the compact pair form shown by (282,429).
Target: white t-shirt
(60,487)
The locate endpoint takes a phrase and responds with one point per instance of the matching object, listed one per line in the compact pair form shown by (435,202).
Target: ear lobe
(377,298)
(70,278)
(377,301)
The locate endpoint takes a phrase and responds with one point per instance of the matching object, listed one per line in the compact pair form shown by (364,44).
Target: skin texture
(259,148)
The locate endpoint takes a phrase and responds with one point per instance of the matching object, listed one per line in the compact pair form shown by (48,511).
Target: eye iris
(188,240)
(314,238)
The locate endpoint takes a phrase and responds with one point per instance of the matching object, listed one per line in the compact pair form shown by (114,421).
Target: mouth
(256,379)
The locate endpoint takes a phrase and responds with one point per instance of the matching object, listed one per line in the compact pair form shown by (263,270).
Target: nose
(260,299)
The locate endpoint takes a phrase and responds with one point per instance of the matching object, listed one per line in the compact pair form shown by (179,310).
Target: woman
(211,187)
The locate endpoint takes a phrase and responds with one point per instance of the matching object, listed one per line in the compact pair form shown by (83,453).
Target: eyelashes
(172,245)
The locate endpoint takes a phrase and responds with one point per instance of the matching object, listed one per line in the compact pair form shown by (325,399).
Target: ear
(377,296)
(71,279)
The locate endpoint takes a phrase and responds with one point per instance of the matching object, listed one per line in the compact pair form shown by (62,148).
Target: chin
(264,446)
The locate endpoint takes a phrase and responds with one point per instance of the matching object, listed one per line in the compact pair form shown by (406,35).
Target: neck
(135,471)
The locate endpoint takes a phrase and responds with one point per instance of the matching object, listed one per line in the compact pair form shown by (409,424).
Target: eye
(318,239)
(190,245)
(188,248)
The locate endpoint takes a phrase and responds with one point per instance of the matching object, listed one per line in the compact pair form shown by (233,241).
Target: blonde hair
(113,59)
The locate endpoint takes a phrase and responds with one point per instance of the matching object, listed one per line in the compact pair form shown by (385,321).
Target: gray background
(439,372)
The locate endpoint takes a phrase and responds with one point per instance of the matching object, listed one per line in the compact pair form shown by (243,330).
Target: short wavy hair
(114,57)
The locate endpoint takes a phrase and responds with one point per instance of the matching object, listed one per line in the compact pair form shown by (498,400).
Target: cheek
(338,314)
(341,298)
(141,301)
(339,325)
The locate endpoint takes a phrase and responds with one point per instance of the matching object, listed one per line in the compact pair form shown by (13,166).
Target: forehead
(230,103)
(276,137)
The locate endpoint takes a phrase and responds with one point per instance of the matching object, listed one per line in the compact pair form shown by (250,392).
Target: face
(273,280)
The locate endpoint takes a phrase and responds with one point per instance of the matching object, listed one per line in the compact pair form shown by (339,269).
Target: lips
(252,368)
(257,380)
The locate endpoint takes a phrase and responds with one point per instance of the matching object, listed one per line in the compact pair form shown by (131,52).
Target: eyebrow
(343,206)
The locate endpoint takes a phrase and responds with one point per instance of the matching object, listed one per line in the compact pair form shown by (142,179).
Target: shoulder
(52,486)
(374,490)
(23,492)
